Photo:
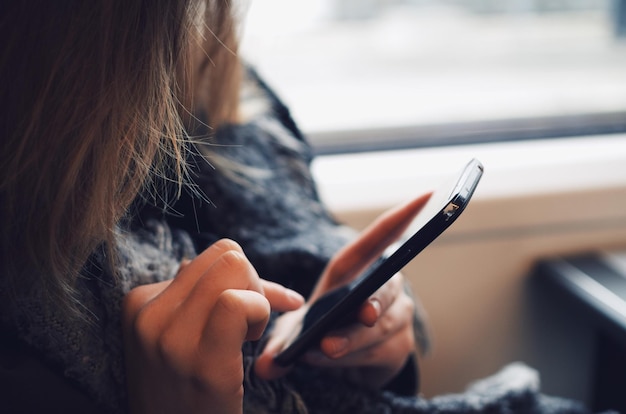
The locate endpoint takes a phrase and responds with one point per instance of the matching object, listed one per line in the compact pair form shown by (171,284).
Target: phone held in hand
(338,307)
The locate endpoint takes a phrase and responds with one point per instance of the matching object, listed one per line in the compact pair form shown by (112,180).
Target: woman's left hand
(376,348)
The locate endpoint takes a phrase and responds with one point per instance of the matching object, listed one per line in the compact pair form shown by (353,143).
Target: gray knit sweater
(269,204)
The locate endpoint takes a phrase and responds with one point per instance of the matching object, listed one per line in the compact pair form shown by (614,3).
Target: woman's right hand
(183,337)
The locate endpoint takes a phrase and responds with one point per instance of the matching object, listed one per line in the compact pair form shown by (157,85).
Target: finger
(382,232)
(238,315)
(231,270)
(264,366)
(194,290)
(398,317)
(377,304)
(285,327)
(190,272)
(376,365)
(370,312)
(140,297)
(390,352)
(372,241)
(281,298)
(183,263)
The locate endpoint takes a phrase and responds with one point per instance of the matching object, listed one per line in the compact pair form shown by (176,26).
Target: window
(381,74)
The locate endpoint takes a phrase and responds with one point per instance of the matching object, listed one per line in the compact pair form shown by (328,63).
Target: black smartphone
(338,307)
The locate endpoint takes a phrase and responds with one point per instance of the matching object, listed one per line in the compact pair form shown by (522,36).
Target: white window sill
(352,183)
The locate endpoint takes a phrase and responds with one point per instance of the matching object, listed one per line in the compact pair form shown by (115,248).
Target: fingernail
(377,306)
(339,346)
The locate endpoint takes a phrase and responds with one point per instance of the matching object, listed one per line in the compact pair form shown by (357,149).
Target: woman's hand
(378,346)
(183,337)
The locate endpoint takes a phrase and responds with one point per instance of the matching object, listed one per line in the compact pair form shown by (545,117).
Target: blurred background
(397,95)
(442,71)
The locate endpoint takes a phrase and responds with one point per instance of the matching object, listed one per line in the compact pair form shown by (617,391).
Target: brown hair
(95,96)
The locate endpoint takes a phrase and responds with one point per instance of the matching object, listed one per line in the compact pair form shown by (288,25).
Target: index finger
(380,301)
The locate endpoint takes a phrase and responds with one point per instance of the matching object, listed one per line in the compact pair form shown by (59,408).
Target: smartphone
(338,307)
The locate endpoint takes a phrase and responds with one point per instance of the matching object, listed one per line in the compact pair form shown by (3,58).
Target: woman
(128,169)
(103,99)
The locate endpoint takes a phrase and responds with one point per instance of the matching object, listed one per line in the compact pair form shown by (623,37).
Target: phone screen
(338,307)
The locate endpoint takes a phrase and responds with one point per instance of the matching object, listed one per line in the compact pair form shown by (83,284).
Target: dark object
(594,292)
(335,308)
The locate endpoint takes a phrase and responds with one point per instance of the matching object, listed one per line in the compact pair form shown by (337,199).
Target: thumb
(264,366)
(370,244)
(286,326)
